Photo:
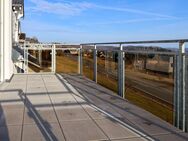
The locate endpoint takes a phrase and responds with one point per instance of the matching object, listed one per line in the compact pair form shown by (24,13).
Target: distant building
(160,64)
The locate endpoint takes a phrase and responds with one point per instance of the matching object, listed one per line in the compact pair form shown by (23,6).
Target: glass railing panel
(149,83)
(39,61)
(88,63)
(107,69)
(67,61)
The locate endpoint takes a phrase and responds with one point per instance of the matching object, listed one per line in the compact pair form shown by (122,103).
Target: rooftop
(73,108)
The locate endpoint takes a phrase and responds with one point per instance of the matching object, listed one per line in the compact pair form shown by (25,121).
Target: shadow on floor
(44,127)
(91,92)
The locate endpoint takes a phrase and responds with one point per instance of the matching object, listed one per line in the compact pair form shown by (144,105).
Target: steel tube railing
(180,97)
(180,102)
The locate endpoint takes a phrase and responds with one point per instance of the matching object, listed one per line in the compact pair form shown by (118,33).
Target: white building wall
(1,40)
(6,40)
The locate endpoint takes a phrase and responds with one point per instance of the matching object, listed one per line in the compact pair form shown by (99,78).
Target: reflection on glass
(88,63)
(149,83)
(39,61)
(107,67)
(67,61)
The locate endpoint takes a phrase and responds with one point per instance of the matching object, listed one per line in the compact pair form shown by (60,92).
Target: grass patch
(64,64)
(147,103)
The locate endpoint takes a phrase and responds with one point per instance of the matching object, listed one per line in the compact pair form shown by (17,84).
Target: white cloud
(60,8)
(135,11)
(75,8)
(125,21)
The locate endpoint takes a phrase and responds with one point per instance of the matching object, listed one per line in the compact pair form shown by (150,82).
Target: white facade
(17,14)
(6,69)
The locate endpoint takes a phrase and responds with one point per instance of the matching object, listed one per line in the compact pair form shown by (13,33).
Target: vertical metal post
(95,63)
(186,94)
(24,66)
(27,61)
(80,61)
(53,58)
(176,97)
(181,85)
(121,72)
(40,56)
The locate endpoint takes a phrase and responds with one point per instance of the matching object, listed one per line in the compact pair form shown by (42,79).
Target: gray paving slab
(32,116)
(53,89)
(35,84)
(130,139)
(16,87)
(72,113)
(62,99)
(95,114)
(82,131)
(36,90)
(172,137)
(10,95)
(11,117)
(10,133)
(80,99)
(42,132)
(11,106)
(53,84)
(114,130)
(38,99)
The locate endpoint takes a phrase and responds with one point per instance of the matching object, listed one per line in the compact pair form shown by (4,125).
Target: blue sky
(80,21)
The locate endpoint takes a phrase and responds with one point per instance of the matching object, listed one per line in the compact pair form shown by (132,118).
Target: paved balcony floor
(72,108)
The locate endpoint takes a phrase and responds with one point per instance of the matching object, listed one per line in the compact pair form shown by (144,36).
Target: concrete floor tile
(72,113)
(10,95)
(11,117)
(33,116)
(53,89)
(114,130)
(95,114)
(11,106)
(172,137)
(131,139)
(10,133)
(38,99)
(42,133)
(36,90)
(64,98)
(82,131)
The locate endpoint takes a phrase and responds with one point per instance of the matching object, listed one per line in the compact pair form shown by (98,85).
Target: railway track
(136,85)
(156,99)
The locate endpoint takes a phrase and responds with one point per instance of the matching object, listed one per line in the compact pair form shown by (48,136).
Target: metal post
(40,56)
(176,97)
(80,61)
(121,72)
(27,61)
(186,94)
(24,61)
(95,63)
(53,58)
(181,85)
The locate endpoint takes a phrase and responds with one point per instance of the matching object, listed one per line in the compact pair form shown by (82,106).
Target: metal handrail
(139,42)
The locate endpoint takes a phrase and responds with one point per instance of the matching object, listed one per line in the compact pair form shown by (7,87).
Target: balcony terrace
(52,96)
(73,108)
